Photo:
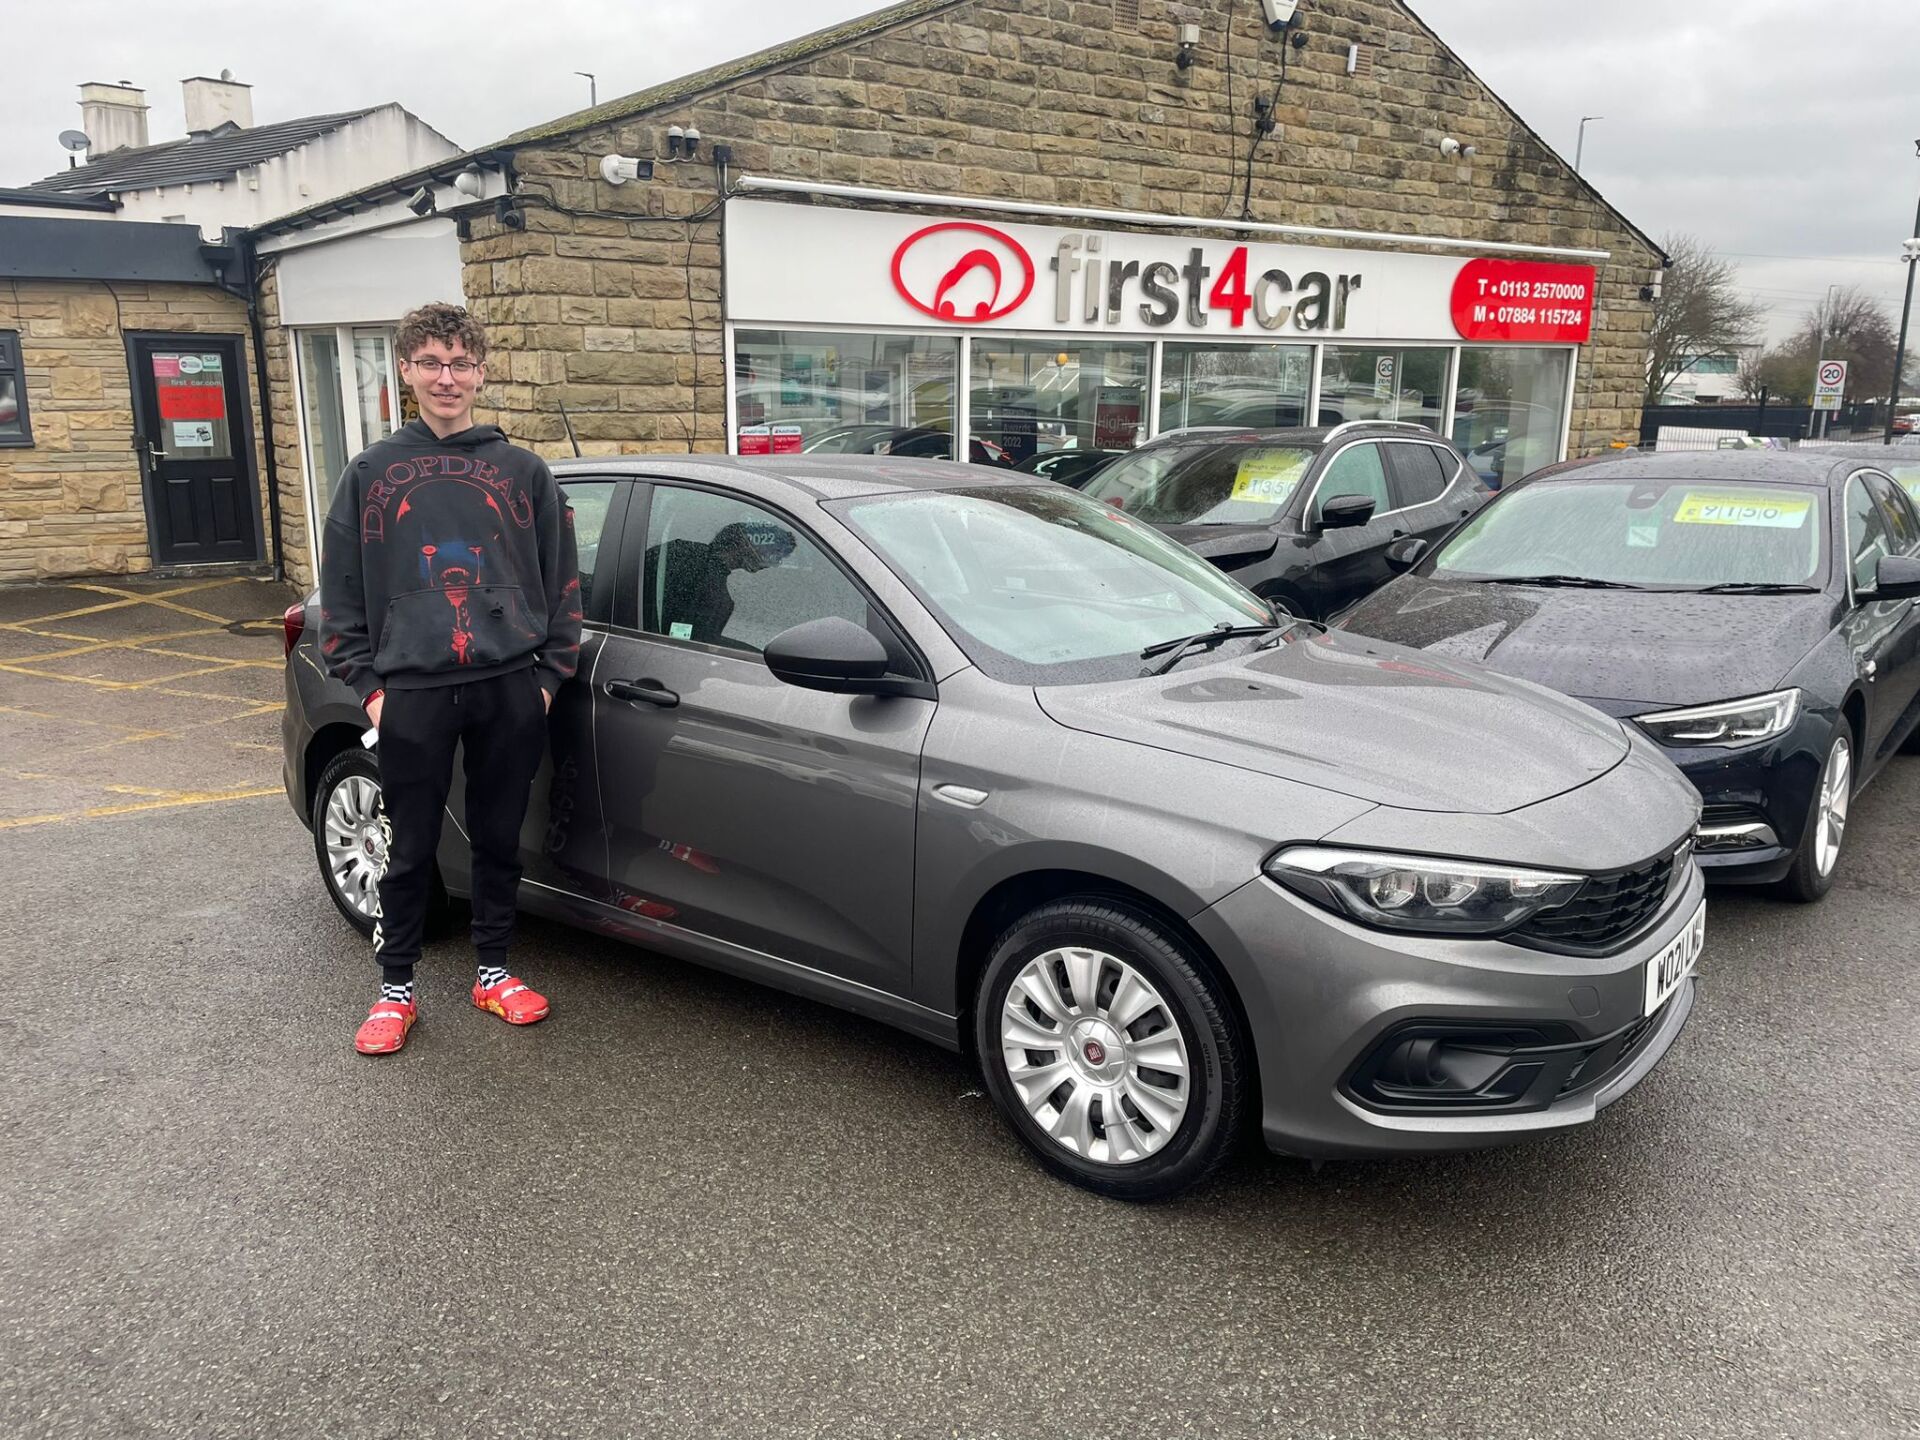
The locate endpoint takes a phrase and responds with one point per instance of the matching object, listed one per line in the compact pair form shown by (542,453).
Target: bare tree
(1700,312)
(1849,325)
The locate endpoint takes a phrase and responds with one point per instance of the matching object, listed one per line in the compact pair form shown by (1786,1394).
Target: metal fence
(1784,422)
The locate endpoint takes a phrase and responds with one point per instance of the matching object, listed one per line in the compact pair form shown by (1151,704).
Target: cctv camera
(420,202)
(1279,13)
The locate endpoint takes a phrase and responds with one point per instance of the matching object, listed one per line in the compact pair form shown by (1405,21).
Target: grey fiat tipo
(1005,767)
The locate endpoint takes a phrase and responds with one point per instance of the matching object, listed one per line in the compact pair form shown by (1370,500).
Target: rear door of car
(1434,489)
(1350,562)
(775,819)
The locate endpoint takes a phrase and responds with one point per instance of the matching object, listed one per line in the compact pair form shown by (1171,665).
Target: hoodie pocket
(446,630)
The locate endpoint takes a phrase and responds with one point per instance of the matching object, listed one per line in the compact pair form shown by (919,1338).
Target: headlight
(1417,892)
(1733,722)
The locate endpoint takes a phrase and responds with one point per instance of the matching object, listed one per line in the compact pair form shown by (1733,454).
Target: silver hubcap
(356,841)
(1095,1055)
(1836,791)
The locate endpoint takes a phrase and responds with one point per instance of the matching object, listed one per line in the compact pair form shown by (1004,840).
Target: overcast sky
(1779,131)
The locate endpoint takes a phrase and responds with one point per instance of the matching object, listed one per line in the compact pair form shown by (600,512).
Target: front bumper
(1756,799)
(1322,995)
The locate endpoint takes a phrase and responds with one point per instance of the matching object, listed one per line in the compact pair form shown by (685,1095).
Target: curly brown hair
(449,324)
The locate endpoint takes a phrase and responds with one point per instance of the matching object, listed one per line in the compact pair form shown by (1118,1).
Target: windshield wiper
(1578,582)
(1756,587)
(1178,650)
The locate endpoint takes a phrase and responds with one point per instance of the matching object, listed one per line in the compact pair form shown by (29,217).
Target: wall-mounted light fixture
(1453,149)
(1189,43)
(682,143)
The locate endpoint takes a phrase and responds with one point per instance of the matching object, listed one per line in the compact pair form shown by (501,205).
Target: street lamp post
(1910,255)
(1581,144)
(593,88)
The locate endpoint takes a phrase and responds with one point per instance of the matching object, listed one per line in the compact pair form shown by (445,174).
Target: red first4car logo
(962,272)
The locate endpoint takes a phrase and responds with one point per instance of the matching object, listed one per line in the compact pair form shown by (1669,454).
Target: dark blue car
(1754,613)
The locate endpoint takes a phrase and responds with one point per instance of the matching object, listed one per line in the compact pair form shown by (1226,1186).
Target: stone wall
(288,463)
(1065,102)
(71,503)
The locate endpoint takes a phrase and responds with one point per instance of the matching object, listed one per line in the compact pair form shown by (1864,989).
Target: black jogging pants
(503,726)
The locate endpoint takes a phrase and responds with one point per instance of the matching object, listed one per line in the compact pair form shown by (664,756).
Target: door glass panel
(721,572)
(1510,410)
(1032,397)
(190,392)
(589,500)
(1356,470)
(1867,538)
(373,385)
(1901,526)
(1362,383)
(1255,385)
(326,425)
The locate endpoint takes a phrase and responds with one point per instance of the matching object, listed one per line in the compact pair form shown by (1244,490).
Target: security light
(1279,13)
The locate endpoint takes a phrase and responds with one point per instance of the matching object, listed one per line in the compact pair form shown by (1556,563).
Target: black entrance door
(196,447)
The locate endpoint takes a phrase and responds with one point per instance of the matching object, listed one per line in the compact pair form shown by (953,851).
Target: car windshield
(1041,586)
(1201,483)
(1683,534)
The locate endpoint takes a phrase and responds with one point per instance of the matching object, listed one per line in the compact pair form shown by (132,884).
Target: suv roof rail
(1347,425)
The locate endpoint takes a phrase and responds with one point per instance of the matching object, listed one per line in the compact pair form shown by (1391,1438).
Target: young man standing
(450,602)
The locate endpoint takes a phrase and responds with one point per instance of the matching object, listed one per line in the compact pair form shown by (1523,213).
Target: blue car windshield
(1681,534)
(1041,586)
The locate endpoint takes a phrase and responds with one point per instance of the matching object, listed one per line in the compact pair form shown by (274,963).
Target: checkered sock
(402,993)
(491,975)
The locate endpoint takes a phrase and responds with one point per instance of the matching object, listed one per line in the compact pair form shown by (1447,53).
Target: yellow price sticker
(1909,478)
(1770,512)
(1269,476)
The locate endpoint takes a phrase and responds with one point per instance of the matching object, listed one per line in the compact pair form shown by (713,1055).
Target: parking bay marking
(173,802)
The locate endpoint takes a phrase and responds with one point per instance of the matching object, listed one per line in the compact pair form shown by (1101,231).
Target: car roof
(823,477)
(1304,435)
(1759,467)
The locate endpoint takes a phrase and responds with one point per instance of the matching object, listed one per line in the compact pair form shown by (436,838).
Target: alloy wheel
(1836,793)
(356,843)
(1095,1055)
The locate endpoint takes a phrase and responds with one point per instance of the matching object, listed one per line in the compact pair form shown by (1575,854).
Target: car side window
(720,571)
(1902,525)
(1356,470)
(590,501)
(1421,477)
(1867,536)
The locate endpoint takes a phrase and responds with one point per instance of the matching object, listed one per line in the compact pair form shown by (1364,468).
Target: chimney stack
(213,103)
(114,117)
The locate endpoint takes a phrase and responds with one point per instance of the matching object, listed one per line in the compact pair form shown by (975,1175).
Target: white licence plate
(1673,964)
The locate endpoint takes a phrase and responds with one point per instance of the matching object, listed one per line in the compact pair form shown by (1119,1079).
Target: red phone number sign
(1523,300)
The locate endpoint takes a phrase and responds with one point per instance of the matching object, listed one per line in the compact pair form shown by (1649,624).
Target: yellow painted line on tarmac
(174,802)
(63,719)
(214,659)
(71,679)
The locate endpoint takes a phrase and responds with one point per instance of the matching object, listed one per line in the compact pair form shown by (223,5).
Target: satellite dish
(75,140)
(226,75)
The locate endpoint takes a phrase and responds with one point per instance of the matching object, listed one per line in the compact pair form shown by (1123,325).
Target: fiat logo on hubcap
(1096,1053)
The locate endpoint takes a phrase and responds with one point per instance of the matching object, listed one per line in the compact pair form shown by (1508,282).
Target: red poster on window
(1524,300)
(755,440)
(788,439)
(192,402)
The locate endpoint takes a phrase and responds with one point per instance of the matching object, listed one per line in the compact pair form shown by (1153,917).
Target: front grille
(1605,912)
(1720,817)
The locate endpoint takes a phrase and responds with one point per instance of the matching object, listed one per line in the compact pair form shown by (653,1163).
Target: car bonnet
(1375,721)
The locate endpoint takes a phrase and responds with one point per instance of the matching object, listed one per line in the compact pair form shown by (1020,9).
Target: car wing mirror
(1345,511)
(1403,555)
(835,655)
(1898,578)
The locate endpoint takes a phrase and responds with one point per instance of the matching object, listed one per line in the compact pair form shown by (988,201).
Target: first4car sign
(814,265)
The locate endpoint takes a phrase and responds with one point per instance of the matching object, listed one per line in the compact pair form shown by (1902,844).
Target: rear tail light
(295,622)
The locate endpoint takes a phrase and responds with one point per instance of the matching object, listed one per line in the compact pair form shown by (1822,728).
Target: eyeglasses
(432,368)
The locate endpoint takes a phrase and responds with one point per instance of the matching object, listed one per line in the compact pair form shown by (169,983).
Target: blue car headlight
(1732,722)
(1420,892)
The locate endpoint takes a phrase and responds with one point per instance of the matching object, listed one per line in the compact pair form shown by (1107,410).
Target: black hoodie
(446,561)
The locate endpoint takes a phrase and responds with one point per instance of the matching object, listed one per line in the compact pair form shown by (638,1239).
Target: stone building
(1023,223)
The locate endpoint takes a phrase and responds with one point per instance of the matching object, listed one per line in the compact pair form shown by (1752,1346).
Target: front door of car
(739,807)
(1898,677)
(1881,633)
(563,842)
(1350,562)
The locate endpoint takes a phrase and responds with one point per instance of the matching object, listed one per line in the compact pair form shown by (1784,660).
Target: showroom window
(1366,383)
(15,427)
(1260,385)
(1032,397)
(844,394)
(1510,410)
(348,400)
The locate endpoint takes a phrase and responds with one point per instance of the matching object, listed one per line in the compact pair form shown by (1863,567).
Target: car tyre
(347,812)
(1823,836)
(1148,1054)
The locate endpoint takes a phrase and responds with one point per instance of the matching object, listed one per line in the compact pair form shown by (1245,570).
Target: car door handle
(651,692)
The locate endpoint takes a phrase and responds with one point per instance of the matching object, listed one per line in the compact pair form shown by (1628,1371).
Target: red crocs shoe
(385,1028)
(511,1000)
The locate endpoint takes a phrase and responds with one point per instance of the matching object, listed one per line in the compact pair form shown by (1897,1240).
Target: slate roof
(214,156)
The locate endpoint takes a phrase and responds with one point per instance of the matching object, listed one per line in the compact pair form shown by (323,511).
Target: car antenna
(567,421)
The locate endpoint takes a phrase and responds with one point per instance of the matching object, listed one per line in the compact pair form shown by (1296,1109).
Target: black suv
(1302,517)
